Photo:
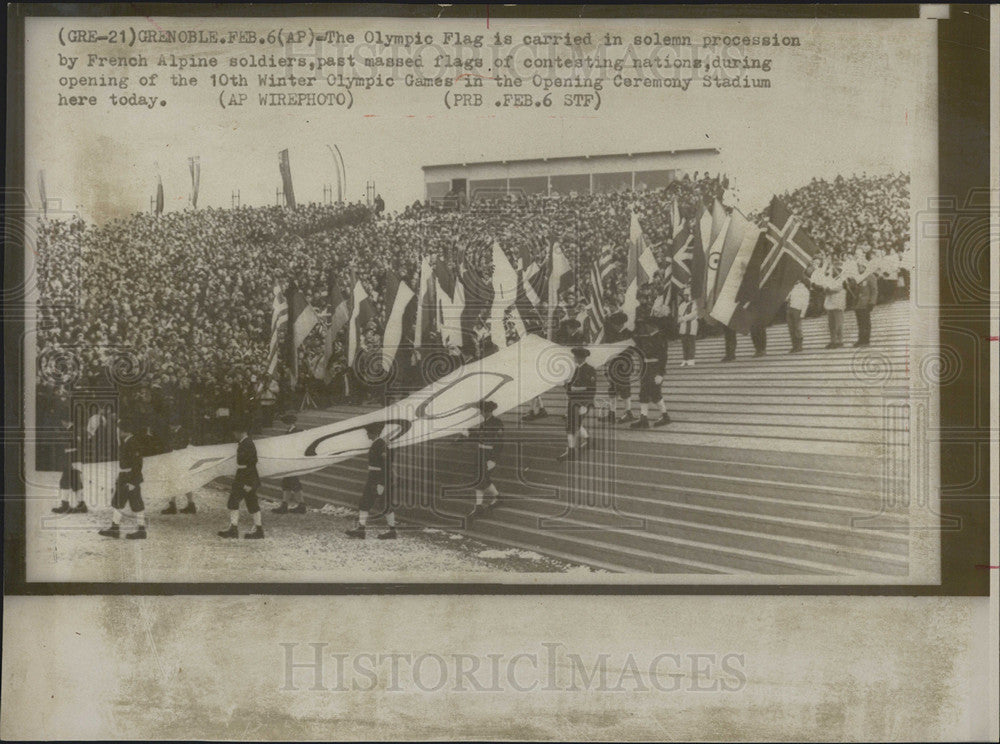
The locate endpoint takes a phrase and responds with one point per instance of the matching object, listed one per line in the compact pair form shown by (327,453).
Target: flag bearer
(488,437)
(580,391)
(71,481)
(127,487)
(375,486)
(178,440)
(245,486)
(652,344)
(291,487)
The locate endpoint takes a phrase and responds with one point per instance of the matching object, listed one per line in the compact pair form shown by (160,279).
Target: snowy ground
(297,548)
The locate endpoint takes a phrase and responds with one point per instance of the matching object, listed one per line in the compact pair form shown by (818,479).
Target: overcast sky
(855,96)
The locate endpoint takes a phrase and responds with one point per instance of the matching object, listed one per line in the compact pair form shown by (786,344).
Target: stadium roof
(572,157)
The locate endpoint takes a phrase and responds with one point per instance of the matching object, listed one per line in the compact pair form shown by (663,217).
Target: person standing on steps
(835,302)
(580,391)
(867,297)
(127,487)
(71,480)
(291,486)
(245,486)
(798,303)
(178,440)
(651,342)
(375,486)
(488,437)
(687,319)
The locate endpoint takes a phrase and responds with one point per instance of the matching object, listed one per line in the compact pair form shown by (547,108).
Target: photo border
(963,142)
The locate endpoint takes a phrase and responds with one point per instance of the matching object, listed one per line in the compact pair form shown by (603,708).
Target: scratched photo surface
(353,238)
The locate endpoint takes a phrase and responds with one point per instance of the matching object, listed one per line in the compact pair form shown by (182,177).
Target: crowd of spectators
(177,307)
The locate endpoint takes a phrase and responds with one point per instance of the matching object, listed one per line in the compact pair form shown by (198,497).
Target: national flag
(713,259)
(302,319)
(425,311)
(639,270)
(361,313)
(339,313)
(688,262)
(737,248)
(527,301)
(400,303)
(676,223)
(600,272)
(279,324)
(450,297)
(286,177)
(705,224)
(780,257)
(560,280)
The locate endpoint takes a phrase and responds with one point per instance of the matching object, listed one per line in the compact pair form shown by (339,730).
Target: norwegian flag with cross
(783,252)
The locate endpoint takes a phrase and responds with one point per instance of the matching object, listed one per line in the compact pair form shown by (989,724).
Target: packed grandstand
(175,309)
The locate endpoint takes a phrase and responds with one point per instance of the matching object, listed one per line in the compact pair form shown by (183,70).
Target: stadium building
(581,174)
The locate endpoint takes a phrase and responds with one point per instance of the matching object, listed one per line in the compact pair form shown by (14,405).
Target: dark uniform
(615,331)
(580,400)
(488,437)
(71,478)
(377,474)
(292,483)
(127,491)
(652,343)
(247,480)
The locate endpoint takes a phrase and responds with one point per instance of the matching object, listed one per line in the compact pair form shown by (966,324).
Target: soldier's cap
(487,406)
(289,418)
(375,429)
(579,351)
(573,322)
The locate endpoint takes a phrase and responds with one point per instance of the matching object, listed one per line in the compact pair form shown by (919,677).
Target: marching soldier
(580,391)
(127,487)
(291,487)
(652,343)
(71,480)
(375,486)
(177,440)
(244,486)
(489,439)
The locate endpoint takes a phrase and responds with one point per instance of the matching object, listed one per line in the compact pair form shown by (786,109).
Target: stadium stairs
(789,464)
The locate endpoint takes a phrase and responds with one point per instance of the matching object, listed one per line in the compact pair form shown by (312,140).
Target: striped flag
(600,272)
